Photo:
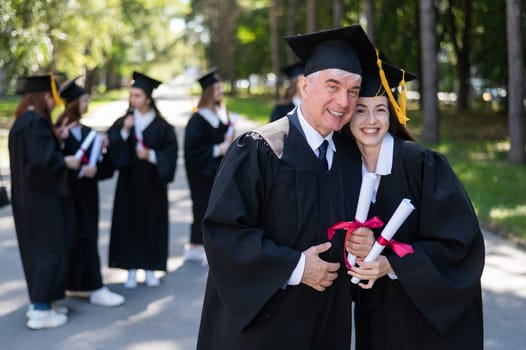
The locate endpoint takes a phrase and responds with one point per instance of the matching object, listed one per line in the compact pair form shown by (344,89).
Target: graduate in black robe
(205,143)
(275,195)
(143,148)
(430,299)
(84,278)
(41,199)
(292,95)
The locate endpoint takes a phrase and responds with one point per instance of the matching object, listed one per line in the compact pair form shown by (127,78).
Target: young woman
(41,199)
(143,148)
(84,277)
(292,95)
(205,144)
(430,299)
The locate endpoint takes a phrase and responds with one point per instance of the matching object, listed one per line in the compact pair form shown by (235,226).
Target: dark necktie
(323,154)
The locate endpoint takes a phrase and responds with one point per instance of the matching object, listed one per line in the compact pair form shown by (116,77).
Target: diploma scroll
(400,215)
(138,137)
(364,202)
(81,152)
(95,153)
(231,124)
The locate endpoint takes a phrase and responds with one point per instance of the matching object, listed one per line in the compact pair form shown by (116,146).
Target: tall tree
(274,42)
(337,13)
(369,17)
(291,27)
(516,81)
(311,16)
(428,38)
(459,29)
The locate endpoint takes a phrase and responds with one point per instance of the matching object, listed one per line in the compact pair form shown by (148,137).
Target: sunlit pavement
(167,317)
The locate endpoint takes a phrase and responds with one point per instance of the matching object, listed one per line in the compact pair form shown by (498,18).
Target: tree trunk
(337,13)
(369,18)
(311,16)
(428,37)
(274,44)
(516,82)
(291,28)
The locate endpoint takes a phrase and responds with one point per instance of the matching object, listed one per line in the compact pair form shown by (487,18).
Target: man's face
(329,99)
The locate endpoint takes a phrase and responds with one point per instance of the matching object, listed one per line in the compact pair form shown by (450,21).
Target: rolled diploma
(230,130)
(364,202)
(138,136)
(85,144)
(95,153)
(400,215)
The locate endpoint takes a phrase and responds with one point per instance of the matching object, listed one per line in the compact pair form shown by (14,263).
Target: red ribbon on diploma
(85,159)
(349,227)
(140,141)
(400,249)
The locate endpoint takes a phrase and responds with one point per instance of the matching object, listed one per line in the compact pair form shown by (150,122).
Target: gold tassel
(54,92)
(400,112)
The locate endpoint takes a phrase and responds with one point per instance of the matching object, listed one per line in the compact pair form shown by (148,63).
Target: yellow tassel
(400,113)
(54,92)
(403,98)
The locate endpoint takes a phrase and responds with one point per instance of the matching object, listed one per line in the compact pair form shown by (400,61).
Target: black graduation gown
(281,110)
(139,230)
(270,201)
(436,301)
(201,166)
(42,207)
(84,272)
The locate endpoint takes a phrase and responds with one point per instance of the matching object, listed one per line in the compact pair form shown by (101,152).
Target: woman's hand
(359,242)
(371,271)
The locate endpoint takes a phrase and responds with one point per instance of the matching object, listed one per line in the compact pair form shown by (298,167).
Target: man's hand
(318,273)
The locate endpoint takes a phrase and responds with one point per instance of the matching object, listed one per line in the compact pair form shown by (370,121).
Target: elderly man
(275,282)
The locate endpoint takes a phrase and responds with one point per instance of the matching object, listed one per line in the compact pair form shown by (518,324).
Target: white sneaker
(194,253)
(63,310)
(105,297)
(41,319)
(131,282)
(151,280)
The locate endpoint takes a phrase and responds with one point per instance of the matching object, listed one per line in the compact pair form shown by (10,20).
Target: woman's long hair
(207,99)
(152,106)
(71,112)
(35,101)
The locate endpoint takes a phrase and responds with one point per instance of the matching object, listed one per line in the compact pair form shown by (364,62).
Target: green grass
(256,108)
(476,145)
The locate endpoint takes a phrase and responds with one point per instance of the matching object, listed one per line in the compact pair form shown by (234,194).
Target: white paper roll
(85,144)
(397,219)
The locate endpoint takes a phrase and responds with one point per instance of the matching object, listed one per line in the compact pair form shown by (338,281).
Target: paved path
(168,317)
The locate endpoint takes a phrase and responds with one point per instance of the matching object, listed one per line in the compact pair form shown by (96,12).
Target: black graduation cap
(145,82)
(70,91)
(293,70)
(333,48)
(35,83)
(372,84)
(209,78)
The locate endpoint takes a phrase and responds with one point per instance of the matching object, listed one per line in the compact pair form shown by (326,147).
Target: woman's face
(138,99)
(50,102)
(370,122)
(83,104)
(218,92)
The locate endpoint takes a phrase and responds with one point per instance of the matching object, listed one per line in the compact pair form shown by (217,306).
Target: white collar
(76,131)
(384,164)
(209,116)
(314,139)
(143,120)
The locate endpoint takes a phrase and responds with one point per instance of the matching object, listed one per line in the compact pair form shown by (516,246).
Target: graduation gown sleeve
(248,266)
(166,150)
(442,277)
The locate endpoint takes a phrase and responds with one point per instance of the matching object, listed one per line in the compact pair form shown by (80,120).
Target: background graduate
(143,148)
(432,300)
(41,199)
(84,278)
(292,96)
(205,143)
(275,282)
